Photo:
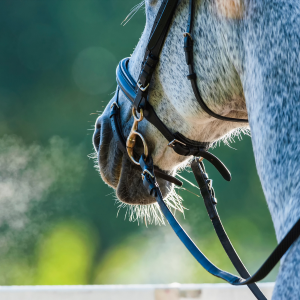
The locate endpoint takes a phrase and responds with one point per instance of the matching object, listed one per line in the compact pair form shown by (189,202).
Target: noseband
(137,93)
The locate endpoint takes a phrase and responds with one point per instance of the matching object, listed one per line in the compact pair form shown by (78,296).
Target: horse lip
(130,187)
(109,156)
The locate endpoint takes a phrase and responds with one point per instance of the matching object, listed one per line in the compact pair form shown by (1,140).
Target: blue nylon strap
(262,272)
(190,245)
(124,80)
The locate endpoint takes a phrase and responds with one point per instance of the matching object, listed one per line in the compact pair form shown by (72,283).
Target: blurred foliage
(58,224)
(66,254)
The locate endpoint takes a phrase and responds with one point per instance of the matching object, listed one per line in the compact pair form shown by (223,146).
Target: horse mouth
(117,170)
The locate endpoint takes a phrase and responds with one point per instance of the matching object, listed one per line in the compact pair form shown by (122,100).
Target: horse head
(173,100)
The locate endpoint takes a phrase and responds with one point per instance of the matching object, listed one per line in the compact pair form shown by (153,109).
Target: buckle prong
(143,89)
(171,144)
(115,104)
(148,172)
(187,34)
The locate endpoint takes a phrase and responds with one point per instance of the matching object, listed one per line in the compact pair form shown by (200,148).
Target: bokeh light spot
(94,70)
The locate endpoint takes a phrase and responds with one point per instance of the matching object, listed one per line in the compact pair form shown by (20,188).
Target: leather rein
(137,93)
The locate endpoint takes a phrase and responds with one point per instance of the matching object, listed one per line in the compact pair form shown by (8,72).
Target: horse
(246,57)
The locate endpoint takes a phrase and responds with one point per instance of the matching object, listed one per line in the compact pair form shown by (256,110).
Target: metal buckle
(187,34)
(214,200)
(143,89)
(209,183)
(148,172)
(115,104)
(171,144)
(130,143)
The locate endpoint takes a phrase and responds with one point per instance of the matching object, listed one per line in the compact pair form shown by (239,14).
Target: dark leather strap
(163,17)
(127,85)
(208,194)
(156,40)
(153,189)
(152,186)
(188,48)
(116,124)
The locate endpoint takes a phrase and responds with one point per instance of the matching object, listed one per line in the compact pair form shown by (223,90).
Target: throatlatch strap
(189,55)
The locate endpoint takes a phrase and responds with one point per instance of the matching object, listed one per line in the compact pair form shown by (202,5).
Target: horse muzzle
(119,167)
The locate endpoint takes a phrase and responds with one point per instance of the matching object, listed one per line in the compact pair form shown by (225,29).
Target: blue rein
(207,192)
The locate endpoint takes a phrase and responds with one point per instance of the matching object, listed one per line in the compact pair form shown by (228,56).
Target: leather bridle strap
(189,56)
(152,186)
(121,141)
(156,40)
(162,21)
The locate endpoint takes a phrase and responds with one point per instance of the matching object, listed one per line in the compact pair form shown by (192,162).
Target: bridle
(137,93)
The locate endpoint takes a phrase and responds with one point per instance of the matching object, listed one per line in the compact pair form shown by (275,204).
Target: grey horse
(247,60)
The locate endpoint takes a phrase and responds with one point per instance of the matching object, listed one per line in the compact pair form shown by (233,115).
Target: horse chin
(131,190)
(121,174)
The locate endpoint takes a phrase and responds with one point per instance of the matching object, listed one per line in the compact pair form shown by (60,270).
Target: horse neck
(270,81)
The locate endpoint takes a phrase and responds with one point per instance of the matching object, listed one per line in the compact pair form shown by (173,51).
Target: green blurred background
(58,220)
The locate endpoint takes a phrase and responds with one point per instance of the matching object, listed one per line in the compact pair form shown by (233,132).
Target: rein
(137,93)
(208,195)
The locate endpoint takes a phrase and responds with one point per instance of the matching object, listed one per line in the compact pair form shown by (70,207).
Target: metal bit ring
(131,140)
